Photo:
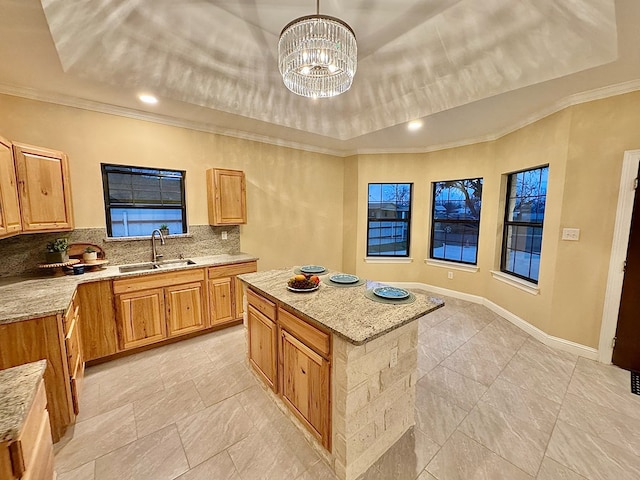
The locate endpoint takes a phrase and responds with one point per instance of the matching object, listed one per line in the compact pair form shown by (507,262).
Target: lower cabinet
(30,457)
(302,374)
(226,293)
(141,317)
(262,345)
(184,304)
(221,300)
(155,307)
(305,384)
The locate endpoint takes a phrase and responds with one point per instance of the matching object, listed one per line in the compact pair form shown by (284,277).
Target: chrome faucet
(154,253)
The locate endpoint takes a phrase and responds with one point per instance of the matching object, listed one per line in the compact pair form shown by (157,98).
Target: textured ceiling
(469,68)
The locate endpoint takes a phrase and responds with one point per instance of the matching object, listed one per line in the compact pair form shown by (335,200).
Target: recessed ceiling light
(150,99)
(414,125)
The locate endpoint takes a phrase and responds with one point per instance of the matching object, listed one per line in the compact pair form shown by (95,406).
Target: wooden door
(626,352)
(141,317)
(262,345)
(227,197)
(10,223)
(305,385)
(184,305)
(221,300)
(44,189)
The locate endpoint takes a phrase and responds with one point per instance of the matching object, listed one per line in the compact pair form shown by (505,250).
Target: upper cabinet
(10,223)
(227,197)
(44,189)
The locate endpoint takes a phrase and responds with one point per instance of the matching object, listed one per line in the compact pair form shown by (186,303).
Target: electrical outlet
(393,361)
(572,234)
(450,275)
(224,235)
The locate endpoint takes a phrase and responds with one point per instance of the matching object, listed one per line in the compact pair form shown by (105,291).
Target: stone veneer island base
(372,359)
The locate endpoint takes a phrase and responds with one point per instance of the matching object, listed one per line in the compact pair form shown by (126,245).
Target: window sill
(451,265)
(145,237)
(388,259)
(523,285)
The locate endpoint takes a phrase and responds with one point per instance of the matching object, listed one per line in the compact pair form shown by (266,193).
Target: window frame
(507,223)
(407,221)
(107,168)
(452,221)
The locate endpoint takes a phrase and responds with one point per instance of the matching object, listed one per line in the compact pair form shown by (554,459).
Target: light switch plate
(224,235)
(572,234)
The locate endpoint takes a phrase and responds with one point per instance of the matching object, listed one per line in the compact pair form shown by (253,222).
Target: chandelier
(317,55)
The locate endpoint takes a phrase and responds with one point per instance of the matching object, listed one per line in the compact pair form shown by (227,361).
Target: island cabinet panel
(305,385)
(221,300)
(44,189)
(30,456)
(185,306)
(37,339)
(262,345)
(141,317)
(10,222)
(97,310)
(227,203)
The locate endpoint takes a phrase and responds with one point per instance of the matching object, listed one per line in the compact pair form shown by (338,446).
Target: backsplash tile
(21,254)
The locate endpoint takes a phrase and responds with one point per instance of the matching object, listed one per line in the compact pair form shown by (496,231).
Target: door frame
(619,249)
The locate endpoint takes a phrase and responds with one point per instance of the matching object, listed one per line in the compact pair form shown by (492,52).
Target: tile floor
(492,403)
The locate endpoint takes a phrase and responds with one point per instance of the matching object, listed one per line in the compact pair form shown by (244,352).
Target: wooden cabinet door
(99,337)
(44,189)
(262,345)
(305,385)
(184,305)
(227,202)
(10,223)
(141,317)
(221,300)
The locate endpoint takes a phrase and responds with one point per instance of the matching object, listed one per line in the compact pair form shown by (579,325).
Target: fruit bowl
(303,283)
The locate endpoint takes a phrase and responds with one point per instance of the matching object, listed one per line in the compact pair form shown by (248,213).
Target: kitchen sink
(147,266)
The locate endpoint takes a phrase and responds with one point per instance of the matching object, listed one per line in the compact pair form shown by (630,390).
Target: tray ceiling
(467,68)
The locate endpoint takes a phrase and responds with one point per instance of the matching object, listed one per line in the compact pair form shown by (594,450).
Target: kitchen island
(343,364)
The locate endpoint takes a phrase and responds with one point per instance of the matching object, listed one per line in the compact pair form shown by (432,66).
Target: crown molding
(576,99)
(570,101)
(90,105)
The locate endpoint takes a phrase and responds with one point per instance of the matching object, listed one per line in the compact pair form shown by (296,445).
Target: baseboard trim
(549,340)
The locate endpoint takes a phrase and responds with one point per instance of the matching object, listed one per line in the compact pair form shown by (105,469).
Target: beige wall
(584,147)
(294,198)
(311,208)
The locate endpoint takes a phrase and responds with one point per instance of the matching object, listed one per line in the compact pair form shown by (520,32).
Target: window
(522,238)
(456,220)
(139,200)
(389,219)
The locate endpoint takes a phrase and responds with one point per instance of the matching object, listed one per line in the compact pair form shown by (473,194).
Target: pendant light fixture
(317,55)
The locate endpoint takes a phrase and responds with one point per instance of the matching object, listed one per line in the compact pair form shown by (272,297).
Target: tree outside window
(455,220)
(389,219)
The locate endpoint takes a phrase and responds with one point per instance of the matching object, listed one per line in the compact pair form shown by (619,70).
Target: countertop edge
(108,274)
(9,433)
(354,341)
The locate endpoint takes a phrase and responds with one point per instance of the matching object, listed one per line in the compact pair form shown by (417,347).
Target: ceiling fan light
(317,56)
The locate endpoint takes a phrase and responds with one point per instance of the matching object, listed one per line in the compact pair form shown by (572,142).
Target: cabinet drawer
(261,304)
(71,313)
(306,333)
(72,342)
(157,280)
(232,270)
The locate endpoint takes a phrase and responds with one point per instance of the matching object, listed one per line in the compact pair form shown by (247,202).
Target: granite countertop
(18,387)
(344,311)
(24,298)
